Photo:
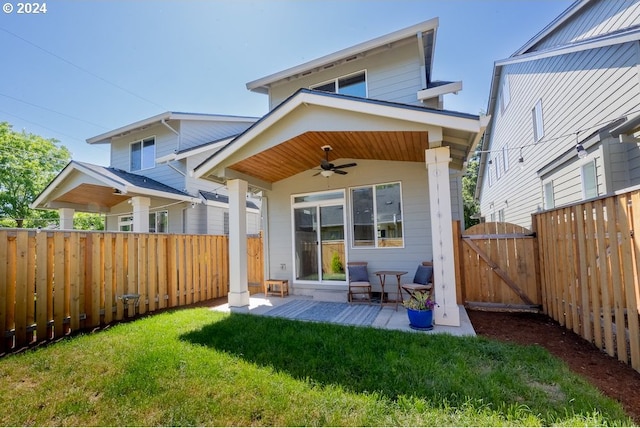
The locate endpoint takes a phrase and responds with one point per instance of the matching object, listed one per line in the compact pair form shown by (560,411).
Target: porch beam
(238,281)
(444,278)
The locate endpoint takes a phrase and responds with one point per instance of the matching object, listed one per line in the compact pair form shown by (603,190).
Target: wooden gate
(498,267)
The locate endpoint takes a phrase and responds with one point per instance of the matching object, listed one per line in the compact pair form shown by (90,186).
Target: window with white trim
(505,94)
(143,154)
(505,158)
(589,180)
(376,213)
(549,200)
(538,121)
(490,172)
(158,222)
(353,84)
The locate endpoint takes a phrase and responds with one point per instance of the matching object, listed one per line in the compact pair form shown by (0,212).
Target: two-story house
(356,159)
(565,114)
(147,187)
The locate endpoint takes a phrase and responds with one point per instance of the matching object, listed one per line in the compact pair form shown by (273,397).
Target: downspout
(264,209)
(164,122)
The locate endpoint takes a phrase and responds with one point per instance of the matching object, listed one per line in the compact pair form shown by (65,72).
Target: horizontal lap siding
(392,75)
(580,92)
(600,17)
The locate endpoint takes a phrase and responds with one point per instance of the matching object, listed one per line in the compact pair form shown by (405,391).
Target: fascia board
(260,84)
(374,109)
(449,88)
(213,146)
(106,137)
(630,36)
(564,16)
(161,194)
(66,172)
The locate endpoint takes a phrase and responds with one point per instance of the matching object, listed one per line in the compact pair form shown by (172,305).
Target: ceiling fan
(327,168)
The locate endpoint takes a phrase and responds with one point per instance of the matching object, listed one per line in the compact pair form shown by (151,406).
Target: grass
(199,367)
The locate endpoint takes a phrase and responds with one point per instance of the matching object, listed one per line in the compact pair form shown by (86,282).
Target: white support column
(66,218)
(140,206)
(447,311)
(238,281)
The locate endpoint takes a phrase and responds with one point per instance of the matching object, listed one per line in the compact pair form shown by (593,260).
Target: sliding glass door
(319,250)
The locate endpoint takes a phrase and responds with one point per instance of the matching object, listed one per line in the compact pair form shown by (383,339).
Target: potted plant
(420,310)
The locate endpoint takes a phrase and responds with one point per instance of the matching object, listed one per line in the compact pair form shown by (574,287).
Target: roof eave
(262,85)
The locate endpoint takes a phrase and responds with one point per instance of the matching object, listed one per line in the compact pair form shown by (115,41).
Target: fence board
(618,296)
(74,281)
(21,289)
(64,281)
(599,241)
(3,289)
(58,285)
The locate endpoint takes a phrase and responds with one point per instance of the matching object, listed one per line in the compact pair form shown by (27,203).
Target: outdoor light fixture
(326,173)
(521,160)
(582,153)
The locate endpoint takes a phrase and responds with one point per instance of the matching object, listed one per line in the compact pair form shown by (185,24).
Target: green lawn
(199,367)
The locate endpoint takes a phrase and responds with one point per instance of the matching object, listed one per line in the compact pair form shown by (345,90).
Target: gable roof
(161,118)
(113,179)
(426,27)
(461,131)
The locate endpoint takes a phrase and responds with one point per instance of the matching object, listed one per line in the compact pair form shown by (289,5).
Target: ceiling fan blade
(339,171)
(346,165)
(317,173)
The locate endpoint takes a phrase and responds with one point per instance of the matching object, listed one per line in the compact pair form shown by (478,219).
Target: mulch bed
(614,378)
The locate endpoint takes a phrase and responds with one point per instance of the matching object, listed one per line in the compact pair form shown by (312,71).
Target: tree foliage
(28,163)
(468,193)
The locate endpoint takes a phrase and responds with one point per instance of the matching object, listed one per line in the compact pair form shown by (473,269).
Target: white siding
(633,157)
(196,132)
(392,75)
(417,227)
(598,18)
(580,92)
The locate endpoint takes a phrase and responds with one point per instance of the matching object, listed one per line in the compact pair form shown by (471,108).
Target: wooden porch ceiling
(84,194)
(304,151)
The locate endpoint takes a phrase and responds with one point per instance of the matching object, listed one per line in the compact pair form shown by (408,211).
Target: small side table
(382,274)
(276,286)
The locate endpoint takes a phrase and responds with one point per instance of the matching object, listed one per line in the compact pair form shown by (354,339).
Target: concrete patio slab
(388,317)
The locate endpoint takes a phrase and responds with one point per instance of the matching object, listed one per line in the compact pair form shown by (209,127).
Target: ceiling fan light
(326,173)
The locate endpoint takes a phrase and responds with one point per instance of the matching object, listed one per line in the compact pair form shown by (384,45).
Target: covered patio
(384,317)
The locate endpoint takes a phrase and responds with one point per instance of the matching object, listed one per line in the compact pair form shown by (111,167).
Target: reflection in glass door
(319,237)
(306,243)
(332,242)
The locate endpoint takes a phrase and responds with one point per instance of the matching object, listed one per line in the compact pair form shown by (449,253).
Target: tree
(469,181)
(28,163)
(88,221)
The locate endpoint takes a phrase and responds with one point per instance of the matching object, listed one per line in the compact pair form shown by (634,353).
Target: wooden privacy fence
(55,283)
(497,265)
(589,262)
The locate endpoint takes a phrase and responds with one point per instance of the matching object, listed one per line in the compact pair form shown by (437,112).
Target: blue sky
(86,67)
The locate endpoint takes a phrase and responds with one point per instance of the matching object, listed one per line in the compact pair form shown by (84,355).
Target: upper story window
(352,84)
(505,94)
(143,154)
(538,122)
(549,200)
(505,158)
(589,180)
(377,216)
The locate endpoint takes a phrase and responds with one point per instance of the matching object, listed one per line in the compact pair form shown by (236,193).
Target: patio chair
(422,280)
(359,284)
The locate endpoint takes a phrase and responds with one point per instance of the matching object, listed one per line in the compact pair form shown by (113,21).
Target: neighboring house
(376,105)
(565,114)
(147,187)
